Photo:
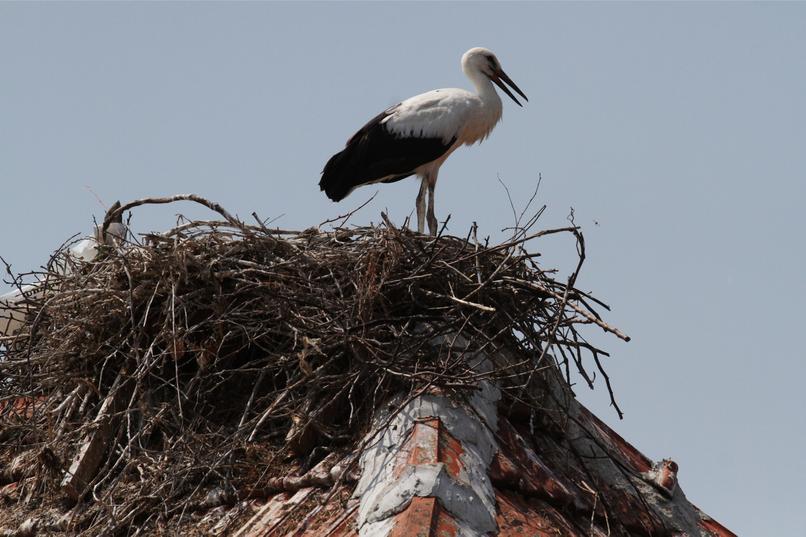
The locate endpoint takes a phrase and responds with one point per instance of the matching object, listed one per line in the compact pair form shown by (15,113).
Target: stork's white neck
(484,86)
(488,107)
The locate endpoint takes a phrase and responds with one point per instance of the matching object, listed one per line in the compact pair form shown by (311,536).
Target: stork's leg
(432,220)
(421,206)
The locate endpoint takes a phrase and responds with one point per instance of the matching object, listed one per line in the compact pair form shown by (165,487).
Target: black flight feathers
(374,155)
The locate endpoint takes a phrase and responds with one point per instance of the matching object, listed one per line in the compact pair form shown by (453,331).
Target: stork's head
(480,60)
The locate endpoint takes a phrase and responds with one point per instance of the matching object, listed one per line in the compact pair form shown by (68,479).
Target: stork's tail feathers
(335,183)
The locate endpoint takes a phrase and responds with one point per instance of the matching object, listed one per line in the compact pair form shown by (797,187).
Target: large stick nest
(232,355)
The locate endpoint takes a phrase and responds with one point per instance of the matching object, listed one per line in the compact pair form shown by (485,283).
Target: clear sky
(676,131)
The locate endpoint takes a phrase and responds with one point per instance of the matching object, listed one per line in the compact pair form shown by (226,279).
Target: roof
(438,470)
(432,466)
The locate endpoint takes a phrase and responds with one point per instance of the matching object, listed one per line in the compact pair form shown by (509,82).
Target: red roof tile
(424,517)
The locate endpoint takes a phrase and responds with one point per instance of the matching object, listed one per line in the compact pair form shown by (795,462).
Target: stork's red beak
(499,77)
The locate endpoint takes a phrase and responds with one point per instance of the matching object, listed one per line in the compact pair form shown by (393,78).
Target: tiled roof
(433,466)
(442,468)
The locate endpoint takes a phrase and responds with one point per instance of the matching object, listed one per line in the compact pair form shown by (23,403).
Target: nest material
(220,358)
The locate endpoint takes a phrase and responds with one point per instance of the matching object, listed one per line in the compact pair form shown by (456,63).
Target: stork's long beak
(499,77)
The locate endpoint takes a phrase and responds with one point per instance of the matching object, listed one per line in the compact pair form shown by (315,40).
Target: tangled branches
(223,356)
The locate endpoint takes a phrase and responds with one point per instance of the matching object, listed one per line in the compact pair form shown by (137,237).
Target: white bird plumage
(15,305)
(418,134)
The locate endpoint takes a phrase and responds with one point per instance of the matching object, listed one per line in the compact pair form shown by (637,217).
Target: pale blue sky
(679,128)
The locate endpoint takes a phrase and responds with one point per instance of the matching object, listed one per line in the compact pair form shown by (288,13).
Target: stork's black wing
(374,155)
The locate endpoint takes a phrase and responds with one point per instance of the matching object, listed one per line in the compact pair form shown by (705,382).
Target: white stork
(418,134)
(14,304)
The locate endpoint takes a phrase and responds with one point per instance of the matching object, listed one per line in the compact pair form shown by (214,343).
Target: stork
(417,135)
